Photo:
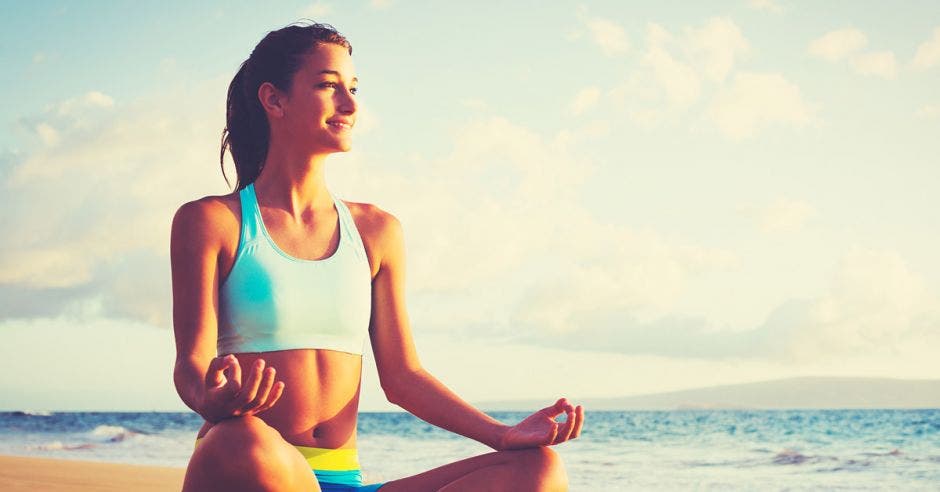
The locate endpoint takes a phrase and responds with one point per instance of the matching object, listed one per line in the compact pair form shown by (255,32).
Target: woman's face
(320,109)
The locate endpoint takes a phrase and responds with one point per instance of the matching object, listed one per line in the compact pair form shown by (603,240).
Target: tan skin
(310,396)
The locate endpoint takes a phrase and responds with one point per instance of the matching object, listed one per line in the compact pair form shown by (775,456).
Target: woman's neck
(295,185)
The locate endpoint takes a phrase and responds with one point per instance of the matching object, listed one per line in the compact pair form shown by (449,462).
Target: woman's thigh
(245,454)
(537,469)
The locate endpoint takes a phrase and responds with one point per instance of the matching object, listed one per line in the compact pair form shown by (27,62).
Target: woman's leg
(537,469)
(246,454)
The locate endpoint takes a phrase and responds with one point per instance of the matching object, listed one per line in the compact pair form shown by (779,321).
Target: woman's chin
(334,147)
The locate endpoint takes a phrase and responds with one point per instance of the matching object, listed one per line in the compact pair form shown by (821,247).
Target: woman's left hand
(540,428)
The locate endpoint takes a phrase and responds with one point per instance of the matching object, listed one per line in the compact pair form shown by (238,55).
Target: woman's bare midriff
(321,396)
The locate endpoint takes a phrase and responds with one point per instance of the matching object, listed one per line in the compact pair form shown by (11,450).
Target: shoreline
(27,473)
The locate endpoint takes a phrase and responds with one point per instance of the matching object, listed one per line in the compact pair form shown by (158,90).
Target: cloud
(716,46)
(508,211)
(680,69)
(838,44)
(316,10)
(928,111)
(48,134)
(928,53)
(756,100)
(106,193)
(765,5)
(875,306)
(876,302)
(608,35)
(784,216)
(680,63)
(380,4)
(846,44)
(877,63)
(585,100)
(641,279)
(679,80)
(89,100)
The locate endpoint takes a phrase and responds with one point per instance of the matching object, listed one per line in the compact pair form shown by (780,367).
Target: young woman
(277,285)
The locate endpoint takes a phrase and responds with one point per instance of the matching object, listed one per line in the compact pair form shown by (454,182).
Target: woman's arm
(407,384)
(210,386)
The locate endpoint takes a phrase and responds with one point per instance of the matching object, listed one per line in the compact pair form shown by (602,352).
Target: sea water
(622,450)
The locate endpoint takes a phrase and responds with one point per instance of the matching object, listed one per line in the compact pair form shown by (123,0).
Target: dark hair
(275,59)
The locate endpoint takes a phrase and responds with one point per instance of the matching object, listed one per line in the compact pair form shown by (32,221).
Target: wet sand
(42,474)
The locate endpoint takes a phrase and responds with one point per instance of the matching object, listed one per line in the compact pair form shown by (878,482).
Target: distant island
(793,393)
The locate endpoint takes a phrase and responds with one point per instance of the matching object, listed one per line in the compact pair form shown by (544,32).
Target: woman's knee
(544,465)
(245,454)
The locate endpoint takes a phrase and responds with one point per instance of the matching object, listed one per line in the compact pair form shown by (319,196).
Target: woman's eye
(332,85)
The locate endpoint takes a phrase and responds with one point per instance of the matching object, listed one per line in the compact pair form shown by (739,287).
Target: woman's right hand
(226,397)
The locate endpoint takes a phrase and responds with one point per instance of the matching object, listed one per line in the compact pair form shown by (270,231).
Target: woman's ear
(271,100)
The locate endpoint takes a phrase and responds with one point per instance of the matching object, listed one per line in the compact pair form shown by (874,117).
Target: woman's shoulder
(380,230)
(215,216)
(372,220)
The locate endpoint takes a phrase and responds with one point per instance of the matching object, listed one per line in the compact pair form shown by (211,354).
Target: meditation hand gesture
(540,428)
(225,396)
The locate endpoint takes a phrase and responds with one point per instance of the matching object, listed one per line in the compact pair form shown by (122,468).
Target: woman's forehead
(330,59)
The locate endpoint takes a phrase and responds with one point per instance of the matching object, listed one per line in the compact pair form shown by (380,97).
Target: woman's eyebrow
(334,72)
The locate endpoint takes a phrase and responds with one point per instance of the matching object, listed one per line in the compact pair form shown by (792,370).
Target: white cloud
(48,134)
(106,194)
(521,190)
(609,35)
(765,5)
(755,100)
(679,80)
(877,63)
(716,46)
(316,10)
(785,216)
(838,44)
(928,111)
(585,100)
(928,53)
(876,303)
(475,104)
(677,69)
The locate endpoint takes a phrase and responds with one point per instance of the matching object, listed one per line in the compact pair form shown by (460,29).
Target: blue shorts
(343,481)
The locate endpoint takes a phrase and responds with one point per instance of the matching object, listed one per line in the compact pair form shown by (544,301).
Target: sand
(41,474)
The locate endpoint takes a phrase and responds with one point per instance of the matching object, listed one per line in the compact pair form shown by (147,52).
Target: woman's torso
(321,397)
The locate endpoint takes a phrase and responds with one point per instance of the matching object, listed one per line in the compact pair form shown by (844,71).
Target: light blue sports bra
(273,301)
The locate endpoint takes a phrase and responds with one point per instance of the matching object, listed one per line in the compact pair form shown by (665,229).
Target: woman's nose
(347,102)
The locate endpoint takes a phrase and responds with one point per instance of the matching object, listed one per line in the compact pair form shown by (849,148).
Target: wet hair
(276,58)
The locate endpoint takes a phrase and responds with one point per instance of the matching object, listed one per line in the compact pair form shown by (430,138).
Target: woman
(276,286)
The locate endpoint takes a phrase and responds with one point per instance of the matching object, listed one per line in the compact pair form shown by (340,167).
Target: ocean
(617,450)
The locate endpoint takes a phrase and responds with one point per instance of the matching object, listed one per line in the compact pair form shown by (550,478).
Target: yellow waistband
(326,459)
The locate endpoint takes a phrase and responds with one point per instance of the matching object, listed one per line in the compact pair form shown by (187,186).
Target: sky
(599,199)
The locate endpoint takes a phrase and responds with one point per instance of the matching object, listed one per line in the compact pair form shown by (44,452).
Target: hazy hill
(809,392)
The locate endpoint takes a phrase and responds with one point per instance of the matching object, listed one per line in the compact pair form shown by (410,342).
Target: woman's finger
(552,435)
(250,388)
(264,389)
(579,415)
(276,393)
(215,374)
(564,433)
(235,373)
(554,410)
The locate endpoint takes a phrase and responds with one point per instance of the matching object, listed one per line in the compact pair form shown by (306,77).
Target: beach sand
(41,474)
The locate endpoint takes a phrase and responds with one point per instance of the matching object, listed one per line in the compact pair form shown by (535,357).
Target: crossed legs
(247,455)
